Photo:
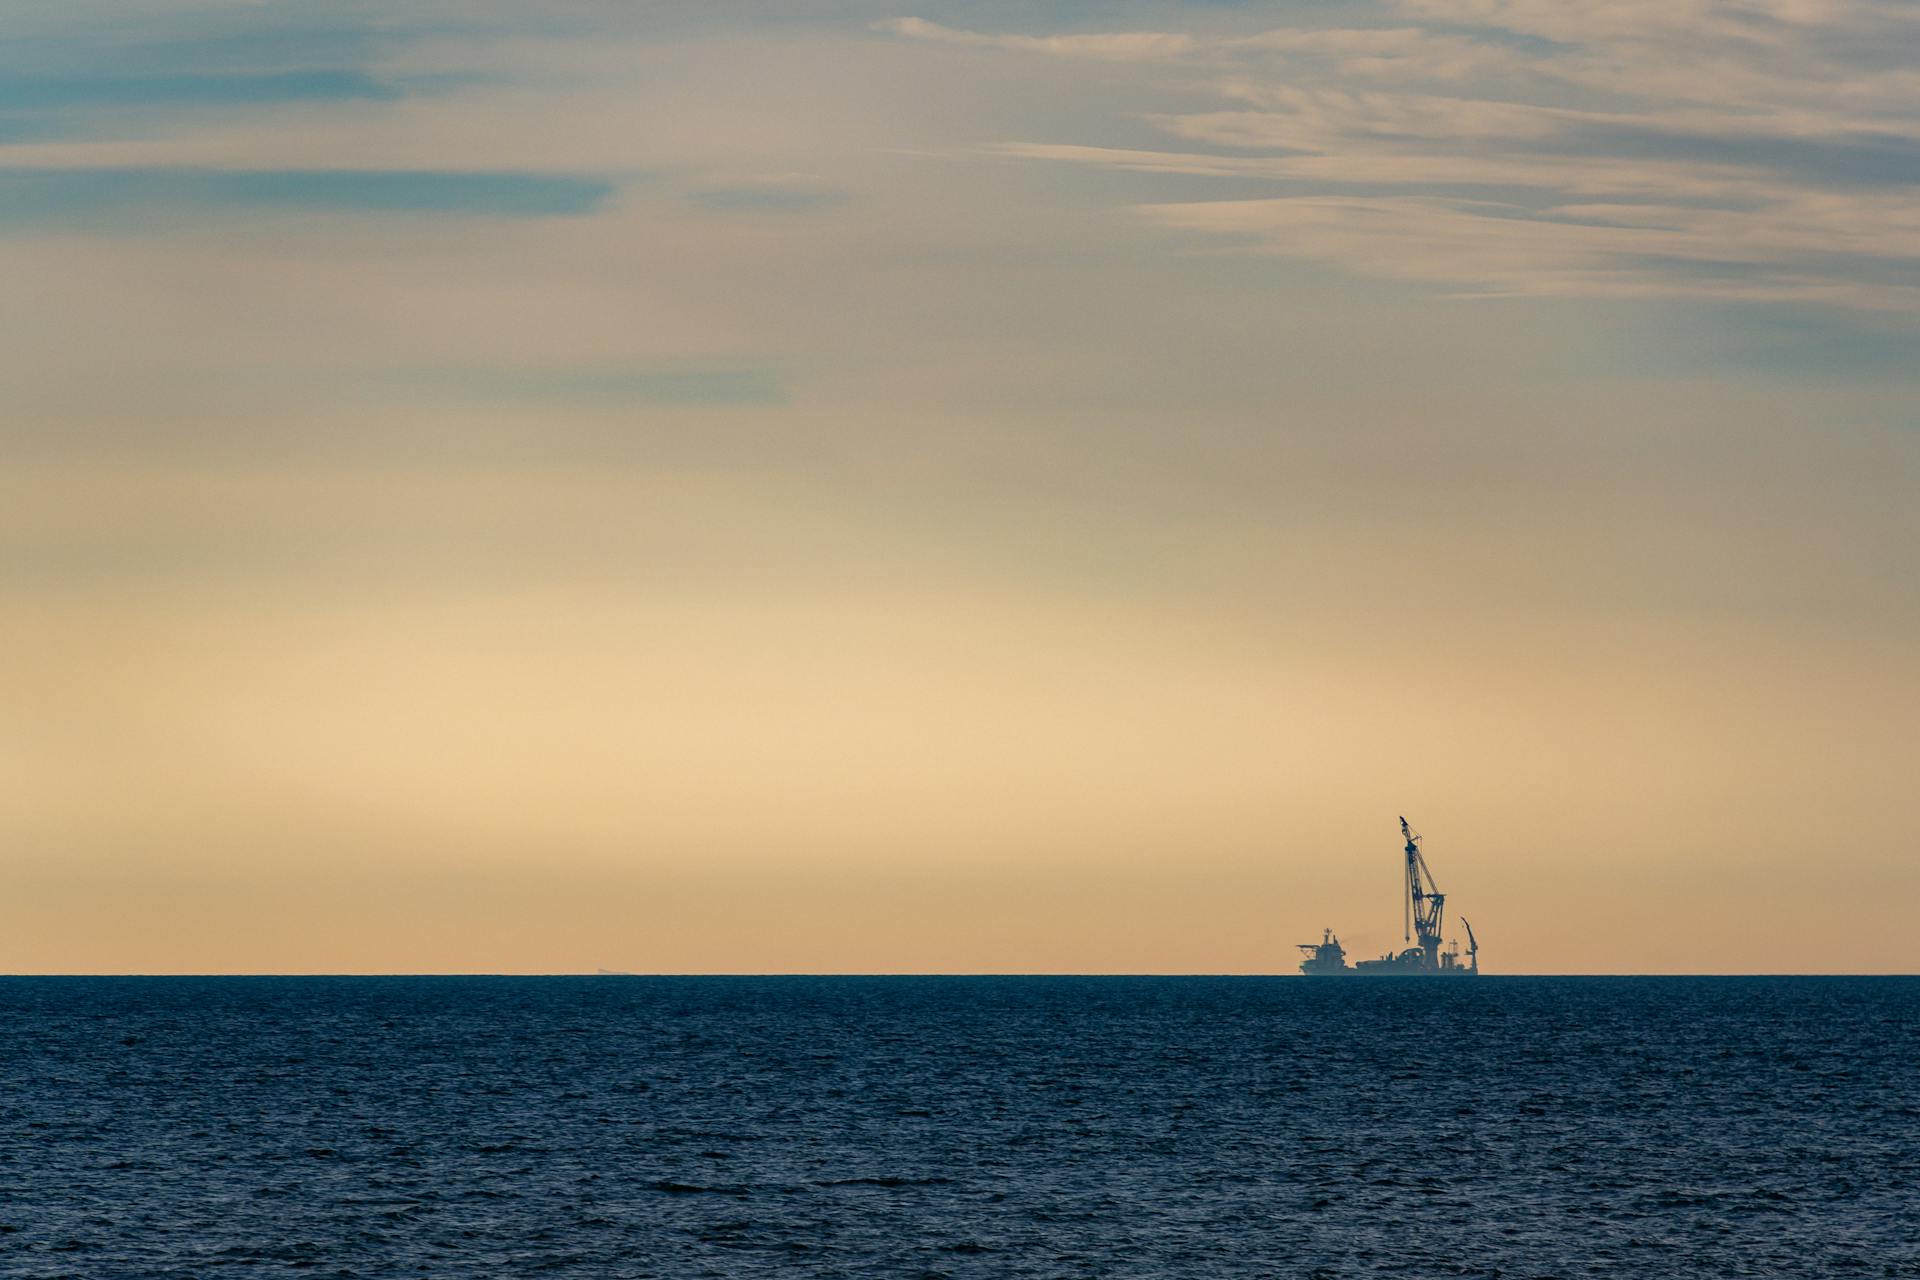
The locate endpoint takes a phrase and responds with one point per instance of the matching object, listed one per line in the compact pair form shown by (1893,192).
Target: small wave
(669,1187)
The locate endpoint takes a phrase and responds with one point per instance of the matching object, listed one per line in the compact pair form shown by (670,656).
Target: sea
(621,1126)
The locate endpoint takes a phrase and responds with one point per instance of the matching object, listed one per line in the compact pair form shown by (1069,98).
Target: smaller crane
(1473,945)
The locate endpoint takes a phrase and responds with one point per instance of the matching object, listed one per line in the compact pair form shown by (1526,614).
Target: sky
(963,487)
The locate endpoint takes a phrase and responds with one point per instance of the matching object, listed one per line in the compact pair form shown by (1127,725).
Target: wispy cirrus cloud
(1386,51)
(1759,22)
(1746,149)
(766,193)
(1122,46)
(78,197)
(1594,250)
(616,386)
(189,88)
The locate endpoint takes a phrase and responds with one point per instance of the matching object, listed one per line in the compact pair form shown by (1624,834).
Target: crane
(1473,945)
(1425,902)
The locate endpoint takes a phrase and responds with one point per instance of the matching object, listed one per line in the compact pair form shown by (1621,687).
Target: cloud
(1361,52)
(1601,250)
(72,197)
(1123,46)
(779,193)
(1758,22)
(43,93)
(1622,178)
(606,387)
(1745,149)
(1397,51)
(1317,119)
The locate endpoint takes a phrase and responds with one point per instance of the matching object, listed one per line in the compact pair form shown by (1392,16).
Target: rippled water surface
(959,1127)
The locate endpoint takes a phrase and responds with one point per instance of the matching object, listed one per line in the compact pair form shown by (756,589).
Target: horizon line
(613,973)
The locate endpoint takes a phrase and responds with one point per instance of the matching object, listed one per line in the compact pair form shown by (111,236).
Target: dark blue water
(959,1127)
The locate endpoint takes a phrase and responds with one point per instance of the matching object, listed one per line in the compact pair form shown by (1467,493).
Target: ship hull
(1365,971)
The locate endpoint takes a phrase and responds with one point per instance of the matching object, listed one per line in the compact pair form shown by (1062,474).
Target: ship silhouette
(1431,956)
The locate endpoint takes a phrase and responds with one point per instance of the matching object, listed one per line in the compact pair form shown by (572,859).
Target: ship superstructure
(1423,916)
(1325,956)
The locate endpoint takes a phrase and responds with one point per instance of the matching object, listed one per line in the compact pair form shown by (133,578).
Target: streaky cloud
(1755,150)
(599,386)
(59,93)
(1121,46)
(767,197)
(38,197)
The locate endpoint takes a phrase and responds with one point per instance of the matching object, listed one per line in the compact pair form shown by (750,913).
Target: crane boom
(1425,903)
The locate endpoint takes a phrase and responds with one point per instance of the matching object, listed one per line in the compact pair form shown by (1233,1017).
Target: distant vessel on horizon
(1431,957)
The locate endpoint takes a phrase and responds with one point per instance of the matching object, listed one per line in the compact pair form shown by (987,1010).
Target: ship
(1425,907)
